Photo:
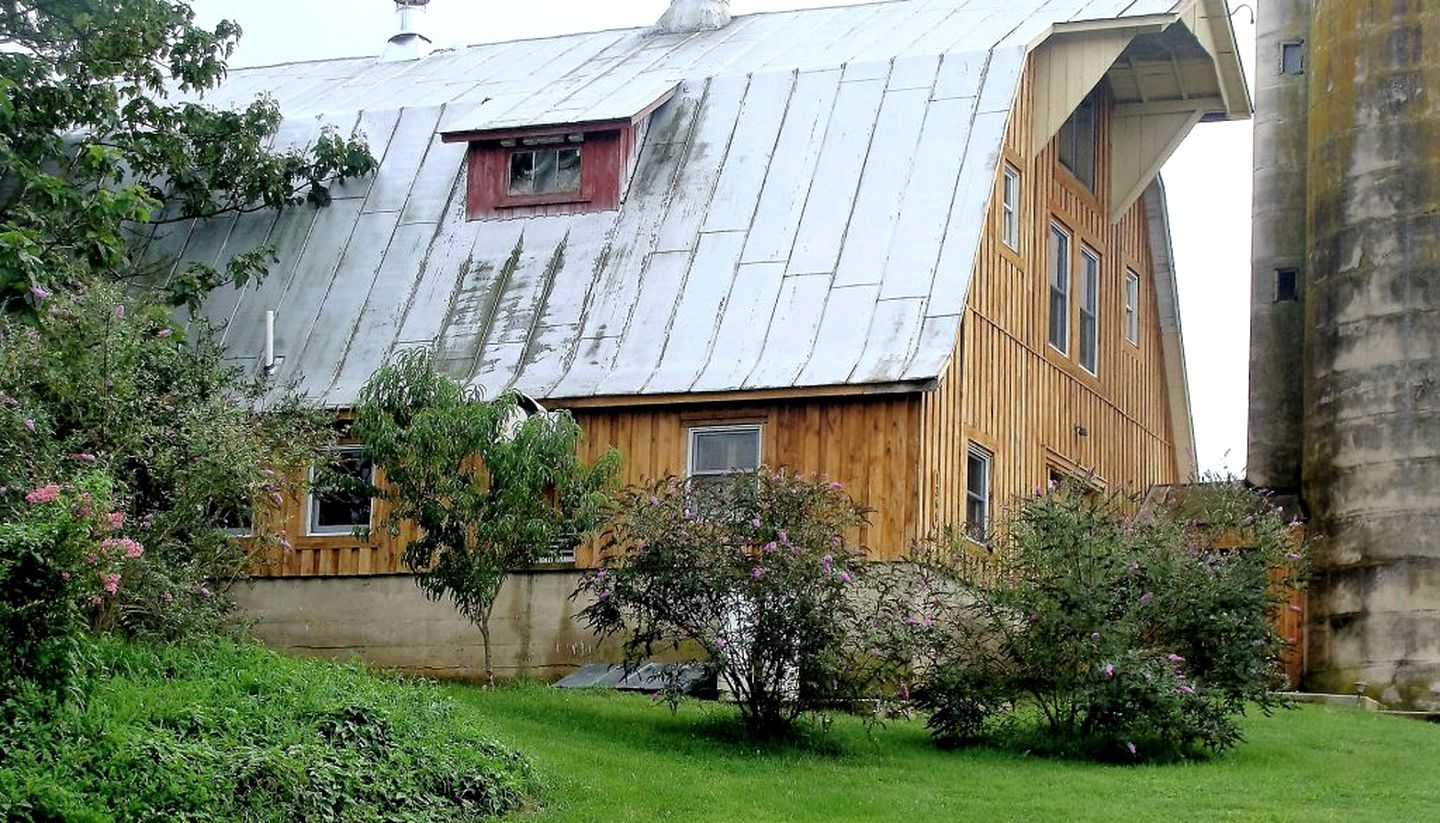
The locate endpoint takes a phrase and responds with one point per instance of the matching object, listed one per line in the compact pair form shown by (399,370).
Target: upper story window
(1089,300)
(1132,307)
(340,500)
(1078,139)
(1292,57)
(977,493)
(1287,286)
(1010,207)
(544,170)
(1059,288)
(716,451)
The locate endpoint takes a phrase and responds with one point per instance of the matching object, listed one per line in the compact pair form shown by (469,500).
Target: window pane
(1011,207)
(1077,141)
(725,450)
(522,172)
(1089,304)
(546,161)
(1287,288)
(1059,289)
(977,493)
(1292,58)
(1132,307)
(567,172)
(341,499)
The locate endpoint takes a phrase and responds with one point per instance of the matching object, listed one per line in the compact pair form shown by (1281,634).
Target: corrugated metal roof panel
(805,211)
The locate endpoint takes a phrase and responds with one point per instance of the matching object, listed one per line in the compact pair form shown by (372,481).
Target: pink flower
(134,551)
(654,501)
(65,576)
(784,538)
(757,573)
(30,424)
(836,484)
(39,293)
(112,583)
(165,332)
(755,522)
(83,457)
(904,691)
(720,643)
(1146,597)
(1109,670)
(1131,747)
(120,311)
(1292,556)
(602,574)
(96,600)
(826,562)
(770,547)
(44,494)
(844,577)
(1175,658)
(1187,689)
(204,590)
(115,520)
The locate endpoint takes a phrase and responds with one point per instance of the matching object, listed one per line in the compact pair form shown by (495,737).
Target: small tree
(1099,633)
(758,573)
(489,488)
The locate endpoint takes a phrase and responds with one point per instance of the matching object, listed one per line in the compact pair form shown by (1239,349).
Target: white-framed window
(977,493)
(1089,299)
(1060,288)
(1078,139)
(339,501)
(1010,207)
(716,451)
(1132,307)
(544,170)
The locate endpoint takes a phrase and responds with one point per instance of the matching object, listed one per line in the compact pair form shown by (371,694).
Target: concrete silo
(1345,374)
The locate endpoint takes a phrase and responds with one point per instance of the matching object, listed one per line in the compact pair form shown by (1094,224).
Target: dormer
(570,156)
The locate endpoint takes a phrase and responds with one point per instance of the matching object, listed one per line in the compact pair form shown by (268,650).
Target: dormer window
(536,161)
(545,169)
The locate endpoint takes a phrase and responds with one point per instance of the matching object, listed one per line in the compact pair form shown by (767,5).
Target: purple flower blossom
(770,547)
(1109,670)
(1131,747)
(654,501)
(837,485)
(39,293)
(120,311)
(720,643)
(1293,556)
(83,457)
(845,577)
(755,522)
(757,573)
(30,424)
(1146,598)
(827,561)
(1186,689)
(602,574)
(165,332)
(1175,658)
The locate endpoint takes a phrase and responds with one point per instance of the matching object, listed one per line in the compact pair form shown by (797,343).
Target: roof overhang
(501,119)
(1167,72)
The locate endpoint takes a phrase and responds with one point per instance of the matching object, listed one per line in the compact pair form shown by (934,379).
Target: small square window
(1132,307)
(977,494)
(1010,207)
(719,451)
(1292,57)
(340,498)
(544,170)
(1287,286)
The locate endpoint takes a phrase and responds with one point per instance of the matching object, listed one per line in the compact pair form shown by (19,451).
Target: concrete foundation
(387,622)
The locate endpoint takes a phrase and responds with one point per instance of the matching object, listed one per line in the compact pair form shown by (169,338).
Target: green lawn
(613,757)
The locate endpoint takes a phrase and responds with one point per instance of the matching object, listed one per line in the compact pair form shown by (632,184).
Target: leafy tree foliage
(93,151)
(100,383)
(489,488)
(759,573)
(1095,633)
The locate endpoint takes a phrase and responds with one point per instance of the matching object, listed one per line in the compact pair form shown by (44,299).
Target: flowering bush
(63,563)
(758,573)
(1120,638)
(102,382)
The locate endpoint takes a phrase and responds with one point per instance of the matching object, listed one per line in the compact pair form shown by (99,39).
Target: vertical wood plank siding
(1007,389)
(905,455)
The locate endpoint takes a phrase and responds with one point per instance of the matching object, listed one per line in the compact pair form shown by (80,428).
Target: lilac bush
(759,574)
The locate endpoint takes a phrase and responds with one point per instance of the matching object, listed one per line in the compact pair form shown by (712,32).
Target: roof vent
(695,15)
(410,42)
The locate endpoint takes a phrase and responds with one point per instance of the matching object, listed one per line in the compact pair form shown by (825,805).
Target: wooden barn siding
(1007,390)
(870,444)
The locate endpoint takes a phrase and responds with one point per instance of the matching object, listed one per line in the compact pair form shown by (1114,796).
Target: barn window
(977,494)
(544,170)
(1010,207)
(716,451)
(1132,307)
(1089,310)
(340,496)
(1078,139)
(1060,288)
(1292,57)
(1287,286)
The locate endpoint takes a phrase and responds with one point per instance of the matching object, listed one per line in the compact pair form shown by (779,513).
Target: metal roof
(805,211)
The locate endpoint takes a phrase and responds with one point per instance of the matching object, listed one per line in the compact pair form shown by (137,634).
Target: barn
(917,246)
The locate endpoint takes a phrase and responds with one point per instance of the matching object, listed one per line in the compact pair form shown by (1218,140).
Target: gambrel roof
(805,211)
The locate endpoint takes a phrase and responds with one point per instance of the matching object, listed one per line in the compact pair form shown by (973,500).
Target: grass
(614,757)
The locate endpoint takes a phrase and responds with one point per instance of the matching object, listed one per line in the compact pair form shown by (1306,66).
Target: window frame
(1287,292)
(986,458)
(691,436)
(1132,306)
(1059,259)
(1088,292)
(1296,47)
(311,529)
(557,146)
(1010,207)
(1072,139)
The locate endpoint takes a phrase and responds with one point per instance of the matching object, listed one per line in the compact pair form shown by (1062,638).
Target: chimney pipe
(410,42)
(695,15)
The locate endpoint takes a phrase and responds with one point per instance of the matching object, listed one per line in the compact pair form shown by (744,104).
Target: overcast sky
(1207,180)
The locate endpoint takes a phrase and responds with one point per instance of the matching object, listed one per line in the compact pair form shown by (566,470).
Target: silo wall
(1372,347)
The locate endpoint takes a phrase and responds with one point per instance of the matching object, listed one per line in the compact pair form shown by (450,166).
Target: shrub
(758,573)
(220,731)
(104,382)
(1102,635)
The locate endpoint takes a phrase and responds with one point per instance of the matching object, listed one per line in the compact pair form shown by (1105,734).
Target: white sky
(1207,180)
